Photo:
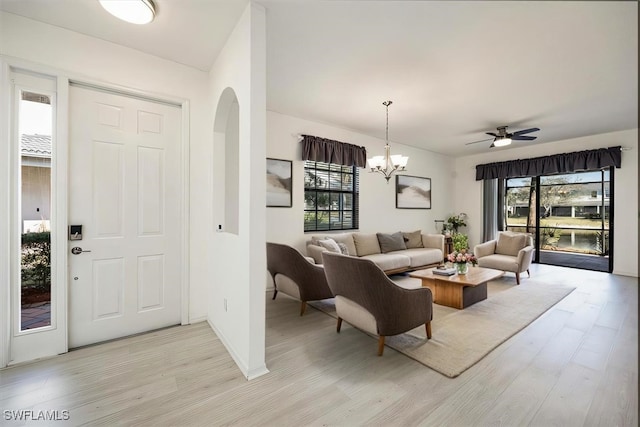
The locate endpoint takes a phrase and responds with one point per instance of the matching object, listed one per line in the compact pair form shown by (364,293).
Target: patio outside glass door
(569,215)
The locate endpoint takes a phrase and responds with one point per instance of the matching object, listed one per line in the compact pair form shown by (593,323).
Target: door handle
(77,250)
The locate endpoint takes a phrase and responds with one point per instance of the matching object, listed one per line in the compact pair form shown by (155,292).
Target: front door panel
(125,183)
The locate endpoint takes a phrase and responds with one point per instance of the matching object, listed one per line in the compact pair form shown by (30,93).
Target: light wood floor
(576,365)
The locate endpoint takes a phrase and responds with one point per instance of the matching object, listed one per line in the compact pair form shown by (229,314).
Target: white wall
(469,191)
(377,198)
(36,193)
(232,265)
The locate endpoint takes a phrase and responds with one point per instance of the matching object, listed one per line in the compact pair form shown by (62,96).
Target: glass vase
(462,267)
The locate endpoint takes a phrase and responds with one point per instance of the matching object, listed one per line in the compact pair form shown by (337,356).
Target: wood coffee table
(459,290)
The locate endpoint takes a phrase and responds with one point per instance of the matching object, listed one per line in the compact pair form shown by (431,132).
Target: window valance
(549,165)
(329,151)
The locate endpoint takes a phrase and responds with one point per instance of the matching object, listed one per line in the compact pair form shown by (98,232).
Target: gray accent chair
(368,300)
(294,275)
(511,252)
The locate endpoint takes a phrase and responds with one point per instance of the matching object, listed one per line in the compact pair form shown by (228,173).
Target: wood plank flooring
(577,365)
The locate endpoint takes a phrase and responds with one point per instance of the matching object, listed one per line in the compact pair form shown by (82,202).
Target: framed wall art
(279,183)
(413,192)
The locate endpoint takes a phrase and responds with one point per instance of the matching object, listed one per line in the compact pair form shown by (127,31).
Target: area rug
(461,338)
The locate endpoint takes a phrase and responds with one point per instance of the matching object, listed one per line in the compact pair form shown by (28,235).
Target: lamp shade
(133,11)
(376,162)
(399,161)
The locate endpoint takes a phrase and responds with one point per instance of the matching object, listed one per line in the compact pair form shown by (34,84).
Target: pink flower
(462,258)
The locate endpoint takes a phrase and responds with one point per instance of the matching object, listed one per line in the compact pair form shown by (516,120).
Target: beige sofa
(393,253)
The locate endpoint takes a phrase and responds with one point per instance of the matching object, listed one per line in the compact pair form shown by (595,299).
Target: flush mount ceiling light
(133,11)
(387,164)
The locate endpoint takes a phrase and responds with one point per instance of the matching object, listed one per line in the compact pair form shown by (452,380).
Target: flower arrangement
(462,258)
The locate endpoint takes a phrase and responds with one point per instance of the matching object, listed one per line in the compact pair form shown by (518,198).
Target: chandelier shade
(387,164)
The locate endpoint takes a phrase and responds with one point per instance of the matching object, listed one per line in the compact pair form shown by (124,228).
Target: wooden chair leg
(275,292)
(428,328)
(303,307)
(380,345)
(339,324)
(517,278)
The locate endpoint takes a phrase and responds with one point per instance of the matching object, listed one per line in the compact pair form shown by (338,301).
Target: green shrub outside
(36,261)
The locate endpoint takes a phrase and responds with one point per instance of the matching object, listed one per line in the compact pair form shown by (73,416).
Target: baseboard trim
(249,374)
(197,319)
(625,273)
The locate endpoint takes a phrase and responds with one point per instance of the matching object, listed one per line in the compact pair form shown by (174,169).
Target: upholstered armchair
(367,299)
(511,252)
(296,276)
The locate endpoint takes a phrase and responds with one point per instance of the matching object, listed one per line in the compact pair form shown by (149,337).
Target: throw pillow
(413,239)
(330,245)
(339,238)
(316,240)
(391,242)
(343,248)
(510,244)
(366,244)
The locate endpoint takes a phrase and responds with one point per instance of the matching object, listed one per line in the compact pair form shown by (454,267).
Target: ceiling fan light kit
(387,164)
(138,12)
(501,142)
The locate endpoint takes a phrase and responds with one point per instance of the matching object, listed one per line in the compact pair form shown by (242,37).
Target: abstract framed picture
(413,192)
(279,183)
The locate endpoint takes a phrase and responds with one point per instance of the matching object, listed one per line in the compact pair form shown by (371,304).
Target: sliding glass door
(569,215)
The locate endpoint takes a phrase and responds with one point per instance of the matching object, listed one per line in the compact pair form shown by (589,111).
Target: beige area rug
(461,338)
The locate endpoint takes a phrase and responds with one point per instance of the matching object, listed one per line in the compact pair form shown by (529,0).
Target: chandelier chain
(387,164)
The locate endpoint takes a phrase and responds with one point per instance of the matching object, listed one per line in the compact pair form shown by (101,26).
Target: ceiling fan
(503,137)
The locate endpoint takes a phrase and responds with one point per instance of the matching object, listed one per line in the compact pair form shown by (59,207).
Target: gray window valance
(325,150)
(549,165)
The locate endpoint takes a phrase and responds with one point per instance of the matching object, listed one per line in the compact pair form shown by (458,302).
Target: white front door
(125,186)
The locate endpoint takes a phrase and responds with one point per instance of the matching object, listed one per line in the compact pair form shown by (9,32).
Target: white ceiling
(454,70)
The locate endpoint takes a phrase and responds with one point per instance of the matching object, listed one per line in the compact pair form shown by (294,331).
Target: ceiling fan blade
(492,134)
(522,132)
(475,142)
(523,138)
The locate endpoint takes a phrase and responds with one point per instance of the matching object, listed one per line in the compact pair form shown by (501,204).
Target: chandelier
(387,164)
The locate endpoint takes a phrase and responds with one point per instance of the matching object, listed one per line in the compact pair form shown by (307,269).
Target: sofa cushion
(366,244)
(499,262)
(391,242)
(422,256)
(345,238)
(390,261)
(413,239)
(330,245)
(510,244)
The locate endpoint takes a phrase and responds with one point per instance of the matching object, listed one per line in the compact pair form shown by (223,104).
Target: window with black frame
(330,196)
